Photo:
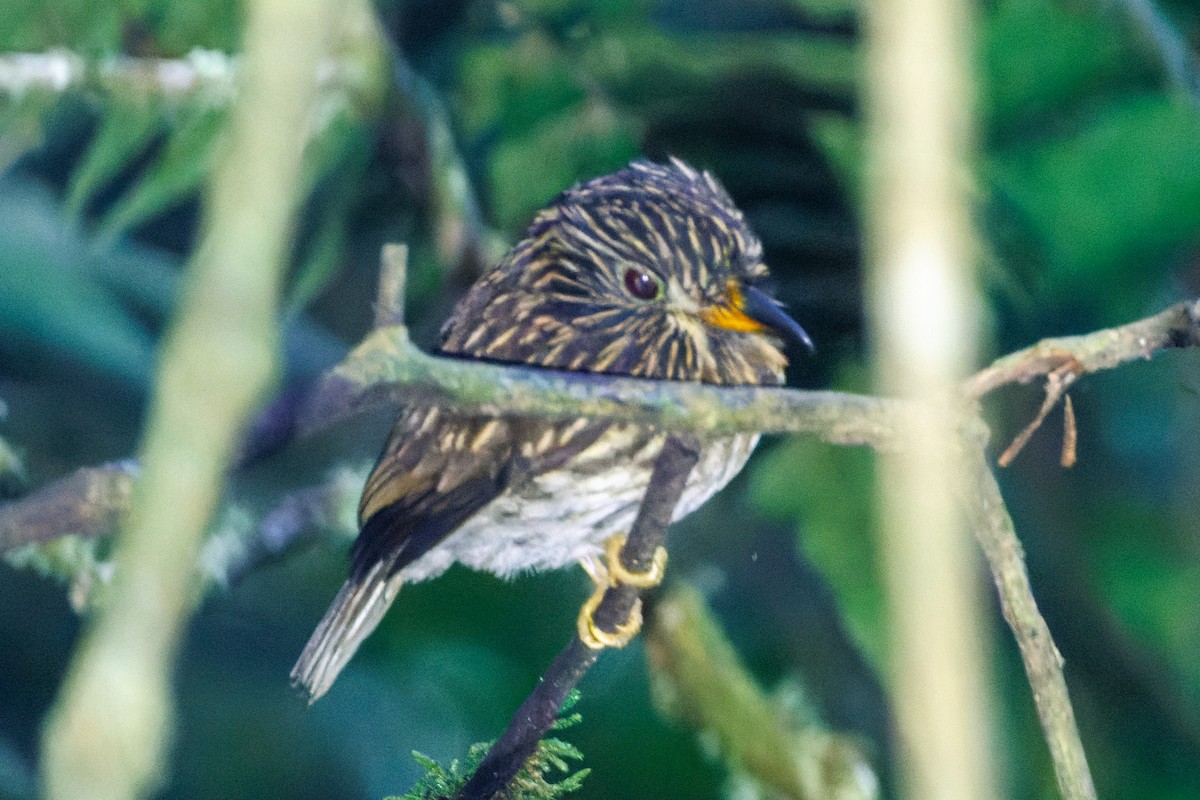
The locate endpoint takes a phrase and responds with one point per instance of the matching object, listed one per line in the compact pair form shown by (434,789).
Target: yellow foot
(596,638)
(618,575)
(613,573)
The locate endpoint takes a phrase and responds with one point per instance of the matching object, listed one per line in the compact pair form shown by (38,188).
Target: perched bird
(649,272)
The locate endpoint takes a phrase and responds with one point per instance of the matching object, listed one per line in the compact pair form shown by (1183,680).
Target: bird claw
(619,575)
(595,637)
(612,573)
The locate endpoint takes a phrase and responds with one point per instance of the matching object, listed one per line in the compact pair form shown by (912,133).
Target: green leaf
(1039,56)
(126,129)
(78,561)
(586,142)
(841,141)
(514,87)
(646,68)
(552,755)
(49,295)
(99,27)
(21,121)
(180,27)
(13,477)
(186,161)
(88,28)
(1121,191)
(1148,580)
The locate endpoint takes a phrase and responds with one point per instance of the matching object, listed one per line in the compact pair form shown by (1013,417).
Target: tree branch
(90,501)
(387,370)
(211,75)
(1065,359)
(1043,663)
(535,716)
(1177,326)
(205,72)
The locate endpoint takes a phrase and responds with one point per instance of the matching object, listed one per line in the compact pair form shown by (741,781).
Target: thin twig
(1056,386)
(1070,434)
(1177,326)
(393,272)
(1064,359)
(461,237)
(535,716)
(1043,664)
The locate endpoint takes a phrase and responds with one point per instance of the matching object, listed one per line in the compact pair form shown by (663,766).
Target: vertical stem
(110,727)
(1043,663)
(923,330)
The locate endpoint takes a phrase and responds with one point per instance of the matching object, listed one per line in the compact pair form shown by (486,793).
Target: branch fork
(1057,383)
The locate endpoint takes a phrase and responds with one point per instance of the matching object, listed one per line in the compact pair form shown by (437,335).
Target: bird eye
(642,285)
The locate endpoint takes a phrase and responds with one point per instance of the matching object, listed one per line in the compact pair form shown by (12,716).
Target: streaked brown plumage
(647,272)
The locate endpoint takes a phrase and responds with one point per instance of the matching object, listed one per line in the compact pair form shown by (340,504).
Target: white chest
(559,517)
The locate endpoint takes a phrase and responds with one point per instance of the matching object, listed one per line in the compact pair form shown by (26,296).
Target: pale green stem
(109,730)
(698,676)
(922,313)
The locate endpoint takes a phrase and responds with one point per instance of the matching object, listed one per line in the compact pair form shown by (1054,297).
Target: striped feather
(513,494)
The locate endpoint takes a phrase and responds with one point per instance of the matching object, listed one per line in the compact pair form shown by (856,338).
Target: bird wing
(438,468)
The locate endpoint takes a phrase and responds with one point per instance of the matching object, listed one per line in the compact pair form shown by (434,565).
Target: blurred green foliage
(1085,149)
(101,29)
(839,537)
(1089,201)
(553,756)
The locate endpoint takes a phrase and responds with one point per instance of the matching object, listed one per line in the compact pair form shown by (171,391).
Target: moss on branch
(386,369)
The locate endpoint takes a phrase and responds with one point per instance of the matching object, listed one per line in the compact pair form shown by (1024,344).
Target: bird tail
(354,613)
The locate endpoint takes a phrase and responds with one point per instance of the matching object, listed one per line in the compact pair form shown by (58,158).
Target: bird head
(651,271)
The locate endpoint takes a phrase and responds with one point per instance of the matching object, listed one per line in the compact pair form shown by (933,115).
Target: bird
(652,272)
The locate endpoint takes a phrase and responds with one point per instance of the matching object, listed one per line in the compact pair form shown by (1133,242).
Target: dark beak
(762,308)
